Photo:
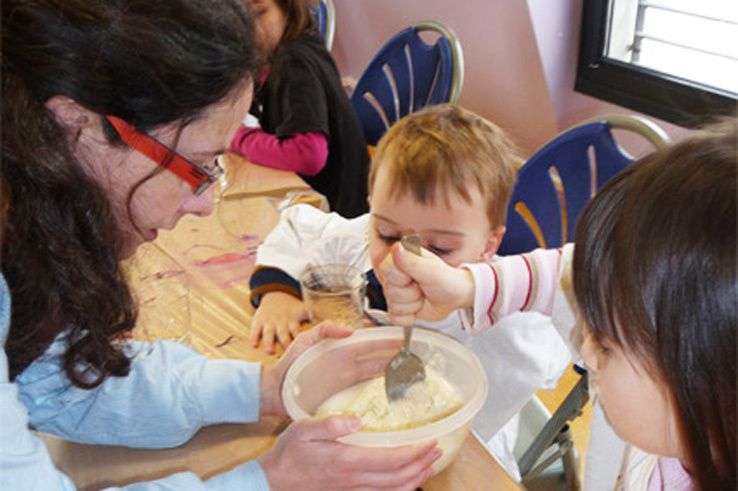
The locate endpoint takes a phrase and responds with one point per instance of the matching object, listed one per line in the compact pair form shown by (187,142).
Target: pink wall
(500,82)
(520,58)
(556,25)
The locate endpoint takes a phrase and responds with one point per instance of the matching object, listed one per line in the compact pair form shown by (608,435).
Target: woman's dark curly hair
(148,62)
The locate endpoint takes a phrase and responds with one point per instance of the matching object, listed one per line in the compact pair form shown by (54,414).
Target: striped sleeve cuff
(265,280)
(477,318)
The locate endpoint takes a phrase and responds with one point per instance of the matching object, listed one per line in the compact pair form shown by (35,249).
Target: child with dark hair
(307,123)
(653,284)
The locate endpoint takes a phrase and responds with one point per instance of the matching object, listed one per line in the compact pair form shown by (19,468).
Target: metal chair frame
(390,88)
(325,18)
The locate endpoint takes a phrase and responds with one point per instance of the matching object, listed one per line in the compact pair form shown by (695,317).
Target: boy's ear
(493,242)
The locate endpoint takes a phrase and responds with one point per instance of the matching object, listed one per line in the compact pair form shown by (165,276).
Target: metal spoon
(406,368)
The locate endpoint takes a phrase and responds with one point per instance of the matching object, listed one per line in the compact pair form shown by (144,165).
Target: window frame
(657,94)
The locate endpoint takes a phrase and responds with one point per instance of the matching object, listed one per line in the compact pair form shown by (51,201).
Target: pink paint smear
(231,268)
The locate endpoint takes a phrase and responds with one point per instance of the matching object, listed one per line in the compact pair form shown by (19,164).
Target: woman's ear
(493,242)
(74,118)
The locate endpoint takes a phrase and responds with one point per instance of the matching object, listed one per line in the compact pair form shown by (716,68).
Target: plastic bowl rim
(443,426)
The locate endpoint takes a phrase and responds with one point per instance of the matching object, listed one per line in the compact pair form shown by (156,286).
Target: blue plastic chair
(325,19)
(552,188)
(556,183)
(406,75)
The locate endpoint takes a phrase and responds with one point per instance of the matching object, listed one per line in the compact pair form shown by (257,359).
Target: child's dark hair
(299,18)
(655,272)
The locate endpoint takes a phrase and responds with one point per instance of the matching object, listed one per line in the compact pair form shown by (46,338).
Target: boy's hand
(278,317)
(423,287)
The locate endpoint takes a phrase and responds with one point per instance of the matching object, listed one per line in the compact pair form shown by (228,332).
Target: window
(673,59)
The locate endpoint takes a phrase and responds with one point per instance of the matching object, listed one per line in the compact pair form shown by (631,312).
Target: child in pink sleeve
(651,288)
(306,122)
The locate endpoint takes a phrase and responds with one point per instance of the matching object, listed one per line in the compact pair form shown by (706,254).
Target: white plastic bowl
(333,365)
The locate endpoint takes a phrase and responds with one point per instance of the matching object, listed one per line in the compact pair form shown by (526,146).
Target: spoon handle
(408,332)
(411,243)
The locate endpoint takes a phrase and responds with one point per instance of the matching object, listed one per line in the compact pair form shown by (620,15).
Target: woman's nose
(200,205)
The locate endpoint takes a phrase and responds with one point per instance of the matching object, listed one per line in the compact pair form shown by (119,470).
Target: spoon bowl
(405,369)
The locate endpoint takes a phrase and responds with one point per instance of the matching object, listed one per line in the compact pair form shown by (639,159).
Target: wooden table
(212,258)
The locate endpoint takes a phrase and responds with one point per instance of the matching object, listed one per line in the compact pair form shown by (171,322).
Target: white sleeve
(307,236)
(563,314)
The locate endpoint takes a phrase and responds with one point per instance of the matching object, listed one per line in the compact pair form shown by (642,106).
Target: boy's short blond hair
(443,149)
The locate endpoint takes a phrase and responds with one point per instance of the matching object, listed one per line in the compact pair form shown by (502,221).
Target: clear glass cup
(335,292)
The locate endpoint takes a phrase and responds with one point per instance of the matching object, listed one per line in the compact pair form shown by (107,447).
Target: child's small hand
(278,318)
(423,287)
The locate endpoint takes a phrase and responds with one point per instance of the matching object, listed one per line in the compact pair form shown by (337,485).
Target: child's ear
(493,242)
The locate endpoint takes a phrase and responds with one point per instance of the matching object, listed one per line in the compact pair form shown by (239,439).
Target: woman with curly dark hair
(114,112)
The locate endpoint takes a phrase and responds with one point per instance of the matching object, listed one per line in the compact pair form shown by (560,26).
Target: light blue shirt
(170,393)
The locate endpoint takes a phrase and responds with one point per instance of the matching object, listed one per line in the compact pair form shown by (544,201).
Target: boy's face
(458,232)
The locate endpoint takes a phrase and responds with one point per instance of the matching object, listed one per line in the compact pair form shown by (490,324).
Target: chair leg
(567,411)
(569,460)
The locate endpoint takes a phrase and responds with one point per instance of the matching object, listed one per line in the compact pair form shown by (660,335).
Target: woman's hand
(278,317)
(308,457)
(272,377)
(423,287)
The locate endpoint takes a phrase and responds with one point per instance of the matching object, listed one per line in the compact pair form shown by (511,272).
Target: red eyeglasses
(197,176)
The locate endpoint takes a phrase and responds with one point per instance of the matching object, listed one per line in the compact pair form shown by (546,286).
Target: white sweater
(522,354)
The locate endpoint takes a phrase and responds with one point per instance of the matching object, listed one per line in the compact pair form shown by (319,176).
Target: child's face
(636,405)
(270,22)
(457,233)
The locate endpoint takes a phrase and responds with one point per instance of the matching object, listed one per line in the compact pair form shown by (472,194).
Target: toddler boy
(445,174)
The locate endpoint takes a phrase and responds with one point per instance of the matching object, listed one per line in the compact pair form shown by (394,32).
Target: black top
(303,94)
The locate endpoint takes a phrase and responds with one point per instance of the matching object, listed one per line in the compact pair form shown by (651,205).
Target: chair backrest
(555,184)
(325,18)
(407,74)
